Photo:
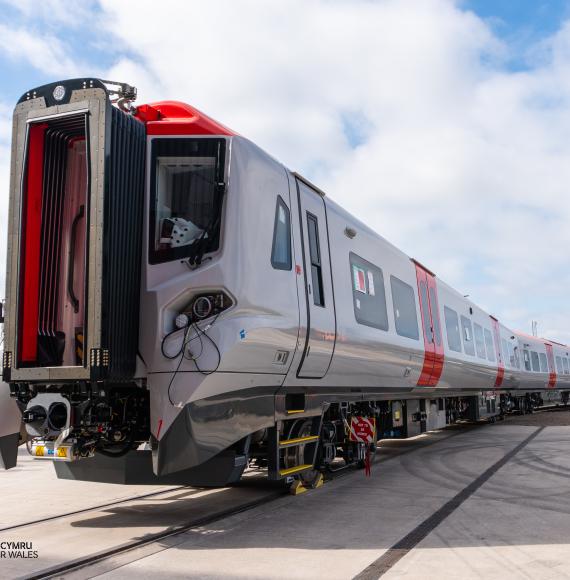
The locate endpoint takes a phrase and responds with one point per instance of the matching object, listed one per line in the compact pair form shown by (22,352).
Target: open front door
(433,359)
(321,323)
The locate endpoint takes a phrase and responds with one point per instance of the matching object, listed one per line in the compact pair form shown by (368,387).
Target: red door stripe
(30,244)
(500,363)
(429,312)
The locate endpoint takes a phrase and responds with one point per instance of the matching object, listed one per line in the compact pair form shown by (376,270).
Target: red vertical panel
(434,357)
(438,357)
(500,362)
(427,369)
(30,244)
(550,358)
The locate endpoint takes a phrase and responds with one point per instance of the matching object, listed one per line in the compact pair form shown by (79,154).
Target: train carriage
(180,305)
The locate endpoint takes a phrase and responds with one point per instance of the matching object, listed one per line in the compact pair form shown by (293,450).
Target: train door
(433,359)
(321,322)
(551,367)
(500,361)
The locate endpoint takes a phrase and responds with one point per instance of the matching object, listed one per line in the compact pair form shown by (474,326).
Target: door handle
(71,262)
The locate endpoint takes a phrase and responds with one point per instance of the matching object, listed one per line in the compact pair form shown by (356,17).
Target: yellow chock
(297,488)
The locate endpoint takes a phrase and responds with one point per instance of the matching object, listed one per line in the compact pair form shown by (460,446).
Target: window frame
(185,147)
(489,344)
(315,261)
(406,286)
(280,203)
(449,312)
(466,323)
(356,260)
(479,341)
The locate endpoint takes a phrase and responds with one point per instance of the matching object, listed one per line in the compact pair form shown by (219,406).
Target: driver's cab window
(187,182)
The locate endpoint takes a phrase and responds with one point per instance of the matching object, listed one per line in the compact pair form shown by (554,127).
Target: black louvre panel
(122,242)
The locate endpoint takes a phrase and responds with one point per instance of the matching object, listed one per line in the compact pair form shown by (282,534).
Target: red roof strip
(176,118)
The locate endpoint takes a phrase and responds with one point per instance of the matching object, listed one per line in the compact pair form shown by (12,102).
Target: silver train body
(209,308)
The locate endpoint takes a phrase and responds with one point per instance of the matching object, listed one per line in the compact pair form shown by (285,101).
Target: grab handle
(71,262)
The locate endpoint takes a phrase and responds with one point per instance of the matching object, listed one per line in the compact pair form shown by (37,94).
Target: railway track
(130,550)
(92,509)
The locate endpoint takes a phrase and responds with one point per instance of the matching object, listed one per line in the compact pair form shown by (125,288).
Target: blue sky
(443,124)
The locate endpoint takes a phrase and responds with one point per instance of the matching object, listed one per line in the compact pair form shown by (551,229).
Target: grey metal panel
(320,343)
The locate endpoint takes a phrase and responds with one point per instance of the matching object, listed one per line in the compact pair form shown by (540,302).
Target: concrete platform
(455,504)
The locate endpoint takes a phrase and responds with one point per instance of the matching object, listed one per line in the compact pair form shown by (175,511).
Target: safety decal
(359,279)
(362,429)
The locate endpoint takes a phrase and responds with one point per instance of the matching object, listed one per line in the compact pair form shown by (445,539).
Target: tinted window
(281,249)
(435,315)
(404,302)
(186,198)
(526,357)
(559,365)
(505,353)
(543,363)
(452,328)
(535,361)
(515,356)
(368,294)
(565,363)
(467,335)
(315,255)
(425,311)
(489,344)
(479,340)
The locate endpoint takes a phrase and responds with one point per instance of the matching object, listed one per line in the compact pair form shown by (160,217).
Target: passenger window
(435,315)
(543,363)
(517,362)
(368,293)
(281,248)
(479,340)
(535,361)
(452,328)
(467,336)
(505,353)
(489,344)
(565,363)
(511,355)
(526,357)
(559,365)
(405,314)
(315,255)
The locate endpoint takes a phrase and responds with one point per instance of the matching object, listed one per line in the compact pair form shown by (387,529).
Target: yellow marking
(295,411)
(79,352)
(286,442)
(295,469)
(79,337)
(62,451)
(40,451)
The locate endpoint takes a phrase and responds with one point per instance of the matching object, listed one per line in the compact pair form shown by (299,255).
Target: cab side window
(281,248)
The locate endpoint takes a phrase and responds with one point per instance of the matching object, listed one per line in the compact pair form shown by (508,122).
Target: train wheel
(302,454)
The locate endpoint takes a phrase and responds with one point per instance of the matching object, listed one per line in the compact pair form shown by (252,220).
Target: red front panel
(429,311)
(551,367)
(30,246)
(500,362)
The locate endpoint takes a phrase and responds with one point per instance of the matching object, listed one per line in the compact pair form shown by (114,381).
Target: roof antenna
(123,96)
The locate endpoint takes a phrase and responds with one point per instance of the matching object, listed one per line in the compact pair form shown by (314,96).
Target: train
(180,307)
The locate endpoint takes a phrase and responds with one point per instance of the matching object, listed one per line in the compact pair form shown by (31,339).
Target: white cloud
(460,162)
(44,52)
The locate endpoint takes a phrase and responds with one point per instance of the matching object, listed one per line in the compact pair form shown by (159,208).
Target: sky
(443,124)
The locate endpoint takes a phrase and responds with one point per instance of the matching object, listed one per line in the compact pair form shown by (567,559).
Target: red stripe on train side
(30,246)
(500,363)
(552,368)
(429,311)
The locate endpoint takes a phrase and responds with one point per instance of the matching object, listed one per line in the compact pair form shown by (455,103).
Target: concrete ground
(455,504)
